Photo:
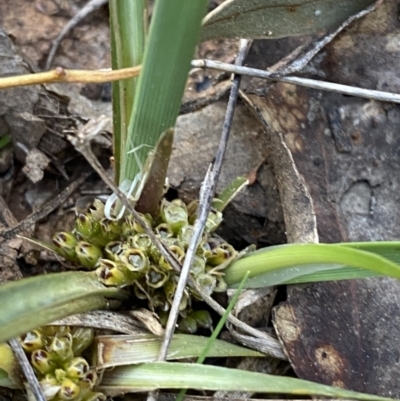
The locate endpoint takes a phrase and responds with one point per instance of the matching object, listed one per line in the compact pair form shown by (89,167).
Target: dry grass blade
(128,350)
(309,83)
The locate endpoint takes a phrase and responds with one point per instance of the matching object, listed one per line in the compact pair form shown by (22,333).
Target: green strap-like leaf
(174,33)
(226,196)
(160,375)
(128,22)
(277,18)
(295,263)
(35,301)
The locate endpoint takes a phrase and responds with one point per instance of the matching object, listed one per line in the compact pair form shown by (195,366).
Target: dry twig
(70,76)
(27,369)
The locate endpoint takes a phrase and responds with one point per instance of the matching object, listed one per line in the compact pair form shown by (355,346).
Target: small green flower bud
(51,331)
(163,231)
(42,361)
(207,282)
(60,347)
(187,325)
(65,244)
(204,249)
(131,227)
(113,249)
(202,318)
(169,290)
(164,265)
(141,241)
(185,301)
(155,277)
(214,220)
(174,215)
(180,203)
(128,226)
(82,337)
(60,375)
(146,217)
(77,368)
(185,235)
(88,254)
(96,209)
(135,260)
(221,285)
(87,227)
(198,265)
(91,377)
(110,230)
(50,386)
(221,254)
(178,252)
(69,390)
(114,274)
(32,340)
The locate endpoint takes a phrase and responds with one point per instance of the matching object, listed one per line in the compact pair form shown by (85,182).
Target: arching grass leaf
(300,263)
(35,301)
(160,375)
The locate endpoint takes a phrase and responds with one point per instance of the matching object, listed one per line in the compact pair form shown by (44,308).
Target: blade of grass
(174,33)
(225,197)
(128,22)
(35,301)
(160,375)
(217,330)
(287,262)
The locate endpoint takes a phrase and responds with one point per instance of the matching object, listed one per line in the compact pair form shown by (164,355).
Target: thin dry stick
(46,209)
(78,17)
(310,83)
(206,197)
(71,76)
(82,144)
(27,369)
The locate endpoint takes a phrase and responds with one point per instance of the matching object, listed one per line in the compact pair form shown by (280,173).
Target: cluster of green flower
(55,354)
(122,254)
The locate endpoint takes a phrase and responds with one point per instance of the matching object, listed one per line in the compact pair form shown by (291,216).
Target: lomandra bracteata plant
(123,255)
